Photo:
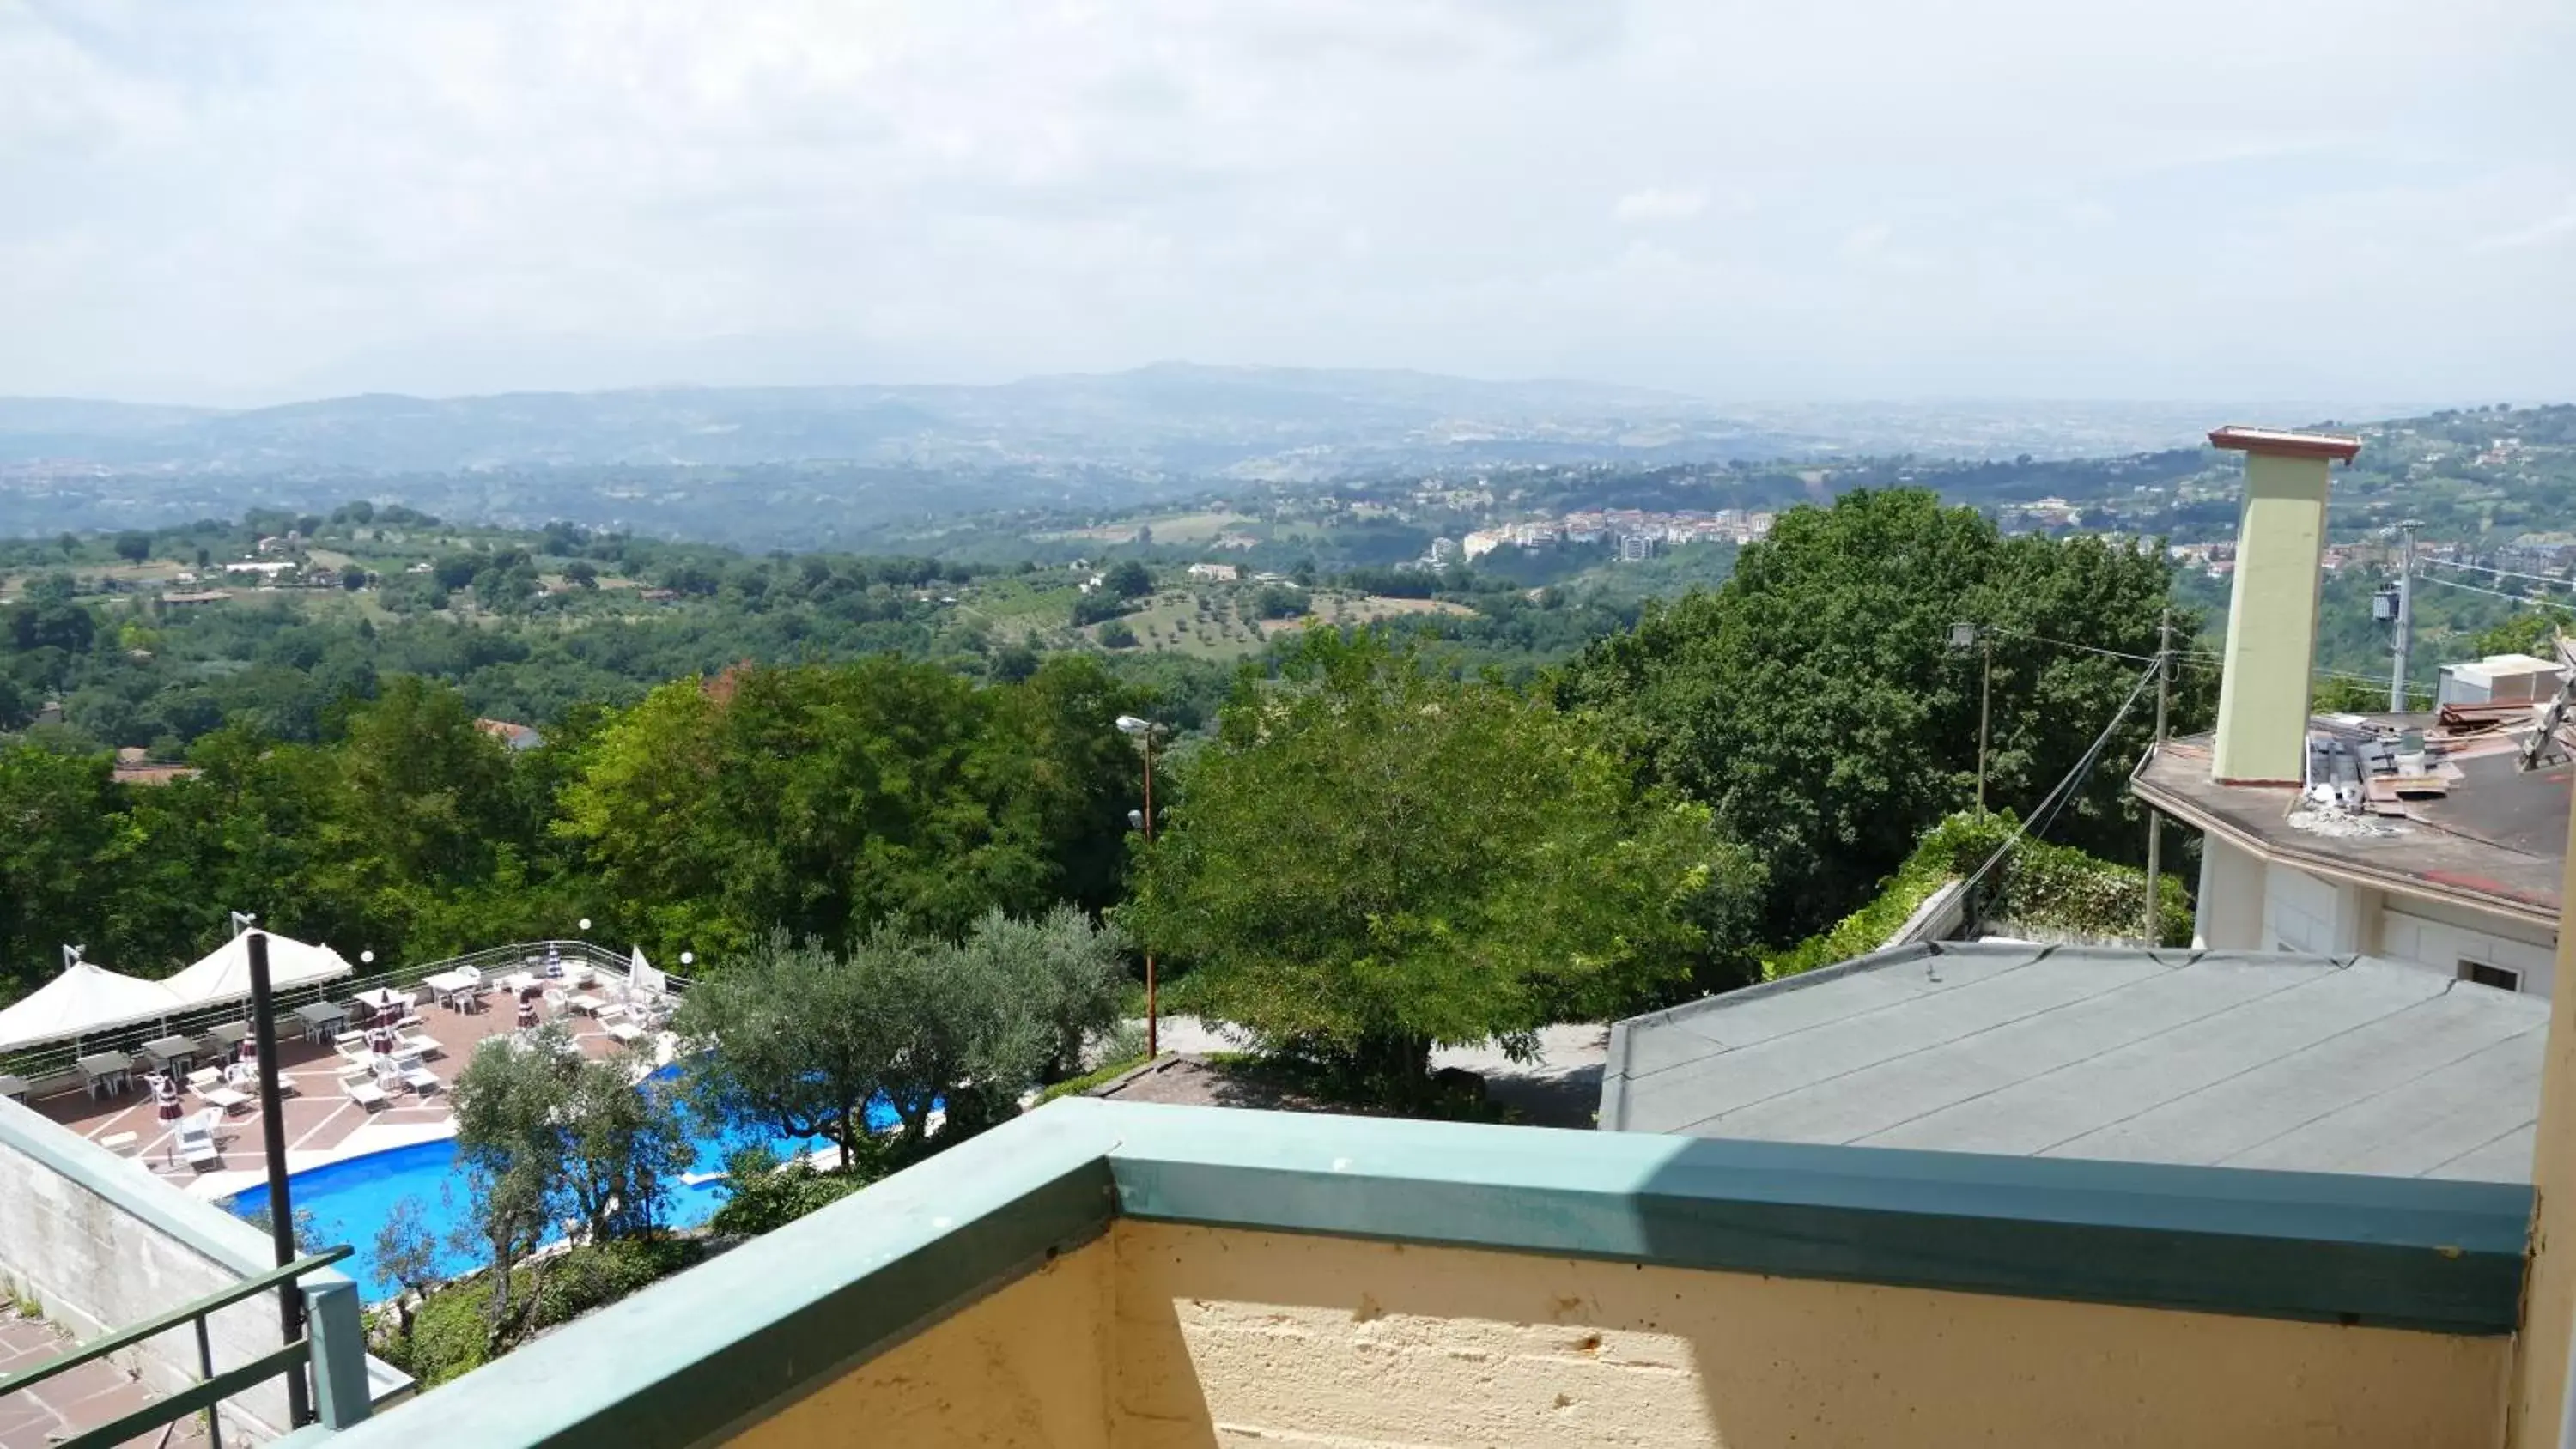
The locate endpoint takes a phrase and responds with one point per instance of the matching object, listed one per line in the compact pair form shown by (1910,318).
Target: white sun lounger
(362,1089)
(197,1144)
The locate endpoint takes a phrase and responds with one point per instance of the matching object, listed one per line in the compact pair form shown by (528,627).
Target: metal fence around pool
(54,1067)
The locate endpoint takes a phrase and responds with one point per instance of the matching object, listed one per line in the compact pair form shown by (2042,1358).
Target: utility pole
(2405,616)
(1142,731)
(2156,822)
(1985,705)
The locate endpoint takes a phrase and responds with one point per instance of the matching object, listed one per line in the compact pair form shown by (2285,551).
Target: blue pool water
(350,1200)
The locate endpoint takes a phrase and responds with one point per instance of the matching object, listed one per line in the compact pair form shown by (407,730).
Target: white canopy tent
(84,999)
(224,975)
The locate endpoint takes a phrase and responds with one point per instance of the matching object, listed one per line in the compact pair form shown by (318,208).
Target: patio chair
(196,1143)
(210,1088)
(612,1019)
(362,1089)
(244,1077)
(407,1014)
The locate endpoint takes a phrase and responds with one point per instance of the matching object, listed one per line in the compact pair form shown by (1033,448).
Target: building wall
(1171,1337)
(1227,1337)
(76,1242)
(2248,905)
(1025,1368)
(2231,898)
(2440,935)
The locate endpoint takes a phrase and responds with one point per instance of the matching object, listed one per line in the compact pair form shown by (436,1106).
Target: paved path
(1562,1088)
(84,1398)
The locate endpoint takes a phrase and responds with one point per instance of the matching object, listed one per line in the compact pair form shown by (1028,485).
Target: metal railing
(54,1067)
(211,1388)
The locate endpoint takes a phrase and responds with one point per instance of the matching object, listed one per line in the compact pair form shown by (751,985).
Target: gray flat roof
(2241,1059)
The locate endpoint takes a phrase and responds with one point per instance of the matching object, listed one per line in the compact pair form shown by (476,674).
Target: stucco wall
(2231,898)
(1240,1338)
(2440,936)
(2263,695)
(1025,1368)
(95,1265)
(1169,1337)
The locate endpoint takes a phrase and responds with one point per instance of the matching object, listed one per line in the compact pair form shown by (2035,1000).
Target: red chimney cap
(2282,444)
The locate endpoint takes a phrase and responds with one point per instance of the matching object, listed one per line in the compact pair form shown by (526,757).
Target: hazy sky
(213,201)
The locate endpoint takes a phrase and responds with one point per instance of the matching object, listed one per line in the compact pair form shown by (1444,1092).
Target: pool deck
(322,1124)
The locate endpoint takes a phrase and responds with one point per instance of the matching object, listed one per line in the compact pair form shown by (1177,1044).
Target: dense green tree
(133,546)
(824,800)
(430,786)
(1814,703)
(1377,859)
(1129,580)
(56,820)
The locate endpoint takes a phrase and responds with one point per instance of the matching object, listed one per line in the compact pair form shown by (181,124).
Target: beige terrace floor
(322,1124)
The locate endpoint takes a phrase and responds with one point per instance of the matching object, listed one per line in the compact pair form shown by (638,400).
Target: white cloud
(1656,203)
(235,199)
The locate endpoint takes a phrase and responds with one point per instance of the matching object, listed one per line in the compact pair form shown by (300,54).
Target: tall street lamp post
(1142,731)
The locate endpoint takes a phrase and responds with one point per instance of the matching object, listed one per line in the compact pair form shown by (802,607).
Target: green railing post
(338,1333)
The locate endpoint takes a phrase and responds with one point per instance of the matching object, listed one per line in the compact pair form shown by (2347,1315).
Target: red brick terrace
(322,1122)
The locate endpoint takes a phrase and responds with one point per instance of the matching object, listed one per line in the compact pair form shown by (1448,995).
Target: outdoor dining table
(13,1087)
(452,985)
(229,1033)
(170,1053)
(517,981)
(321,1019)
(105,1072)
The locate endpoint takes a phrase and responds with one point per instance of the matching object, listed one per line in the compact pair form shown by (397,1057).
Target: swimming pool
(351,1199)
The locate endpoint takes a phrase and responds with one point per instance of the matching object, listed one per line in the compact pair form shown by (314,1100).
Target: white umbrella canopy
(224,975)
(84,999)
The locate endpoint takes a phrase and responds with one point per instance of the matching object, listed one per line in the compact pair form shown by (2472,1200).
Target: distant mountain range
(1176,418)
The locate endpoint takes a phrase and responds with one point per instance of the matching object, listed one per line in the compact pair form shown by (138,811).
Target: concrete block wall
(100,1243)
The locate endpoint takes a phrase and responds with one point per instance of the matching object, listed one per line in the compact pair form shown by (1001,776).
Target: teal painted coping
(699,1357)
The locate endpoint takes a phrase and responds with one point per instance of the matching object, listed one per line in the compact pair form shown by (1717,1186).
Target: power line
(2524,599)
(2071,644)
(2212,661)
(2056,798)
(2499,573)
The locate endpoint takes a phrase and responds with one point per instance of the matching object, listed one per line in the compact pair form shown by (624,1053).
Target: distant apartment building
(1444,551)
(1636,547)
(1214,573)
(1482,542)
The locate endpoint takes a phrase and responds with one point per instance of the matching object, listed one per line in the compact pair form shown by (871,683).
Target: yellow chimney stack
(2272,618)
